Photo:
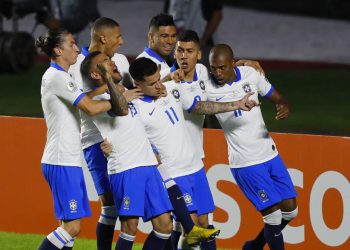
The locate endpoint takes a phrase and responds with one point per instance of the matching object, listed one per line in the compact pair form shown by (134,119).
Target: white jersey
(249,142)
(89,133)
(59,96)
(131,148)
(166,129)
(164,67)
(190,94)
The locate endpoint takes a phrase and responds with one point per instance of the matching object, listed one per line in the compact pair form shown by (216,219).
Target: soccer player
(61,162)
(136,184)
(254,160)
(166,129)
(161,44)
(105,37)
(193,90)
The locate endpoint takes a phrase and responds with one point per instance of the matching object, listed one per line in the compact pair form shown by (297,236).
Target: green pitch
(319,99)
(14,241)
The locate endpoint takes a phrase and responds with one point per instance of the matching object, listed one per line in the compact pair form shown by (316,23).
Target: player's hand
(254,64)
(132,94)
(283,111)
(163,92)
(106,147)
(104,69)
(247,104)
(178,75)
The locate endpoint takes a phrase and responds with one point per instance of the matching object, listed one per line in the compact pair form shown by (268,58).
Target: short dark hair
(161,19)
(85,66)
(141,68)
(188,36)
(103,22)
(53,38)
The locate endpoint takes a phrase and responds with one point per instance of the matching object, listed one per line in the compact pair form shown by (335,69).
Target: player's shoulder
(246,71)
(169,85)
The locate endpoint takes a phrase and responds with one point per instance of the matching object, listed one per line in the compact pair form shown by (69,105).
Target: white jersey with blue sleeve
(164,67)
(166,129)
(131,148)
(190,94)
(59,96)
(249,142)
(89,133)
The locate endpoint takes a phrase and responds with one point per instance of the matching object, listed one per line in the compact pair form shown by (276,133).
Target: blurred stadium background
(303,45)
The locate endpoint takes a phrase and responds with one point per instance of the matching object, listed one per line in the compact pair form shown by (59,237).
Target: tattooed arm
(118,101)
(212,108)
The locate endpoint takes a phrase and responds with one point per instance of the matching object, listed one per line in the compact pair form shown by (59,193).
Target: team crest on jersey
(188,198)
(71,87)
(202,85)
(246,88)
(73,206)
(175,93)
(126,202)
(263,196)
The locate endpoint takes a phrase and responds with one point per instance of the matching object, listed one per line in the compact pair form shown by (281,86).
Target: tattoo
(118,101)
(212,108)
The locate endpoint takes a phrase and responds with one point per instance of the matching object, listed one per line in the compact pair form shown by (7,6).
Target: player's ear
(150,38)
(103,39)
(57,51)
(95,75)
(233,63)
(159,67)
(199,56)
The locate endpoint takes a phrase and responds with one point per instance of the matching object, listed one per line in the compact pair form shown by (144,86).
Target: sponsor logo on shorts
(126,202)
(263,196)
(73,205)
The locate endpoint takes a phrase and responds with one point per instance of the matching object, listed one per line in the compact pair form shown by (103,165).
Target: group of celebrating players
(140,127)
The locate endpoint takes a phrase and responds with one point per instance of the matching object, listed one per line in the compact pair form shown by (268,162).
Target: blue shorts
(140,192)
(196,191)
(97,164)
(68,189)
(265,184)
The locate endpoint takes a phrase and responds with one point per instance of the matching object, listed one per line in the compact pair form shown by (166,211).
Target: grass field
(14,241)
(319,99)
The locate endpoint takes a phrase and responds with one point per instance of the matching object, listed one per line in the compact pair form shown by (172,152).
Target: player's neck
(188,77)
(62,63)
(97,47)
(233,77)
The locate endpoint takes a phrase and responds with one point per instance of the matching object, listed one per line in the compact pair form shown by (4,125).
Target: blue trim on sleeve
(56,66)
(195,100)
(85,51)
(153,54)
(269,93)
(147,98)
(155,150)
(81,96)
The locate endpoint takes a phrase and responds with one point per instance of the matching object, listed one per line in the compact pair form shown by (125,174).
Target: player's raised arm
(118,101)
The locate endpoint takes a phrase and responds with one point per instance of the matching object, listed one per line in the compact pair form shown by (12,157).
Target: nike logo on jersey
(151,113)
(178,198)
(219,98)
